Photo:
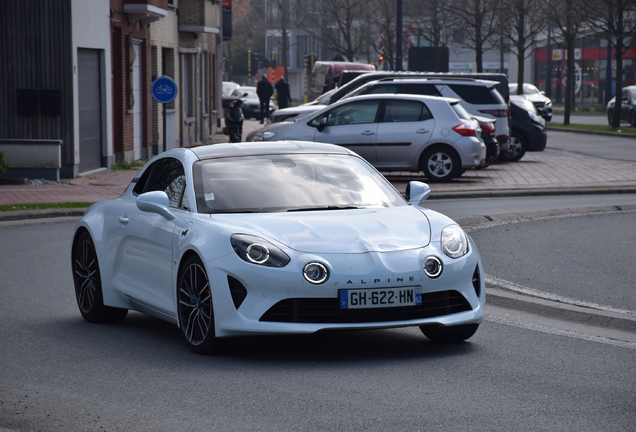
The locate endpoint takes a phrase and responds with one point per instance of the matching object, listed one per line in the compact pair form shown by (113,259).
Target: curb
(19,215)
(593,132)
(563,310)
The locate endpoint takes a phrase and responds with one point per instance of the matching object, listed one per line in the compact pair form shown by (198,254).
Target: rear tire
(440,164)
(516,150)
(456,333)
(88,284)
(610,114)
(632,118)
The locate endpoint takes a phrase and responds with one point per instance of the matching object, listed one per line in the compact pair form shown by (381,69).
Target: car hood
(302,111)
(337,231)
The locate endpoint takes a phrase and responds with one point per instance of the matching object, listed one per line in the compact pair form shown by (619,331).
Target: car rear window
(477,94)
(460,111)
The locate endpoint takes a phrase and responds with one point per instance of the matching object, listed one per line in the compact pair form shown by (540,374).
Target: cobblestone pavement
(542,170)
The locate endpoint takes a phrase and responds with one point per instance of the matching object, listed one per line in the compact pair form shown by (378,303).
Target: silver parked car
(432,134)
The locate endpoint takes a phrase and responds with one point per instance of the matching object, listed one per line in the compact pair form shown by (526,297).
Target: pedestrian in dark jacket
(264,91)
(282,94)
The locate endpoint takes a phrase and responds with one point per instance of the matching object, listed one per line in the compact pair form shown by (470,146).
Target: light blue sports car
(275,238)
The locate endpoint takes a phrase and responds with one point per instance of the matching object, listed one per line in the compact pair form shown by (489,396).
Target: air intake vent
(327,310)
(237,291)
(477,281)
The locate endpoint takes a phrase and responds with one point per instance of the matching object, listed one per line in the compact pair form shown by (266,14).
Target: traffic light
(255,57)
(273,60)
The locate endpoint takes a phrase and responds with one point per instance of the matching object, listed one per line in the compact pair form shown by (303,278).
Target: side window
(383,89)
(166,175)
(405,111)
(421,89)
(351,113)
(476,94)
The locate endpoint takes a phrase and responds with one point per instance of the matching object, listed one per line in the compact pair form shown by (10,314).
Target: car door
(145,242)
(404,130)
(351,125)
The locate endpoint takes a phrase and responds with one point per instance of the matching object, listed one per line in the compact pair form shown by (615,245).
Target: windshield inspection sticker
(209,197)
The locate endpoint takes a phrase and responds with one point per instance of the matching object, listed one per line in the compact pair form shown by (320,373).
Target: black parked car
(528,130)
(628,106)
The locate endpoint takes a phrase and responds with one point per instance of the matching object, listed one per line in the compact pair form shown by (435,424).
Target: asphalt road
(59,373)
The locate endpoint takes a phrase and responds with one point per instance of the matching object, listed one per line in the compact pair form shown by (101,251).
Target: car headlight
(534,117)
(264,136)
(454,241)
(259,251)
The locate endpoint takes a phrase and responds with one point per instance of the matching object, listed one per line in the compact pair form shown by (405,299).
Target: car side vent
(237,291)
(477,281)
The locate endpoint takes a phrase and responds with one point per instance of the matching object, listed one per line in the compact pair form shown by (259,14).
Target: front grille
(327,310)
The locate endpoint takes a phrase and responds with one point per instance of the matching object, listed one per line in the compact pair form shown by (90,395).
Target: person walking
(282,93)
(264,91)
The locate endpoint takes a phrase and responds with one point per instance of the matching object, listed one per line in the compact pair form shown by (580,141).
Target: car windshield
(290,182)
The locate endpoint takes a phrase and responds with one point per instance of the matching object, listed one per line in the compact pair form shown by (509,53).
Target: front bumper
(252,299)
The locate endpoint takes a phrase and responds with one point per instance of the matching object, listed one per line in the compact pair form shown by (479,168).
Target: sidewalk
(540,172)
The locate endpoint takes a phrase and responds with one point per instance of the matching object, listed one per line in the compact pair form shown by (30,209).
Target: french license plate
(383,297)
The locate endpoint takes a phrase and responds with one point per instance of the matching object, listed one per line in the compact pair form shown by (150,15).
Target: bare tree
(527,21)
(431,20)
(338,25)
(247,35)
(566,18)
(382,38)
(280,26)
(475,23)
(614,20)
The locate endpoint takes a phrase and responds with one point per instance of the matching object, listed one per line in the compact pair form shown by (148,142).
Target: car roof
(421,98)
(213,151)
(415,80)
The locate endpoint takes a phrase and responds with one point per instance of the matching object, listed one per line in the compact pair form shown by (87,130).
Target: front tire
(195,308)
(440,164)
(456,333)
(516,150)
(88,284)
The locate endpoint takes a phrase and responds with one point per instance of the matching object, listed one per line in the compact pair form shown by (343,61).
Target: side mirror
(417,191)
(322,124)
(155,202)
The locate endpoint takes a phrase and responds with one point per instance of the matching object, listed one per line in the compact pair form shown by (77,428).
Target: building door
(90,109)
(137,101)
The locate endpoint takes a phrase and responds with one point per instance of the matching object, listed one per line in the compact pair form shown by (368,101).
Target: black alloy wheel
(456,333)
(516,150)
(88,284)
(195,308)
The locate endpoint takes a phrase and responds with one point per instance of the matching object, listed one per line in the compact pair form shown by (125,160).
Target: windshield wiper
(323,208)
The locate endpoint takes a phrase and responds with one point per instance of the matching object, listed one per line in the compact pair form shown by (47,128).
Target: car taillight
(496,113)
(488,128)
(465,129)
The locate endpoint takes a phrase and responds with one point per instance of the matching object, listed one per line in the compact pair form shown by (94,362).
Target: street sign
(164,89)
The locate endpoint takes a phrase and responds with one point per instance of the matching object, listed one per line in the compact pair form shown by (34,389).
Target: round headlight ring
(316,273)
(433,267)
(257,253)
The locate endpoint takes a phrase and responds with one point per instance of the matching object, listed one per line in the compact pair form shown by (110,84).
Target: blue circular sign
(164,89)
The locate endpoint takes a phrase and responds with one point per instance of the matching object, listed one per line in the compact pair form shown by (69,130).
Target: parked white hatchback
(432,134)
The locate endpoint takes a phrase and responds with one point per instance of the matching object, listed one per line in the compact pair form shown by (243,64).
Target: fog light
(316,273)
(432,267)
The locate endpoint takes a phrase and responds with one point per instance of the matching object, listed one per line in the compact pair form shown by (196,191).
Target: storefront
(590,60)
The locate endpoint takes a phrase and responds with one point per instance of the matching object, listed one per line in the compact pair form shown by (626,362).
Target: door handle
(422,131)
(123,220)
(368,133)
